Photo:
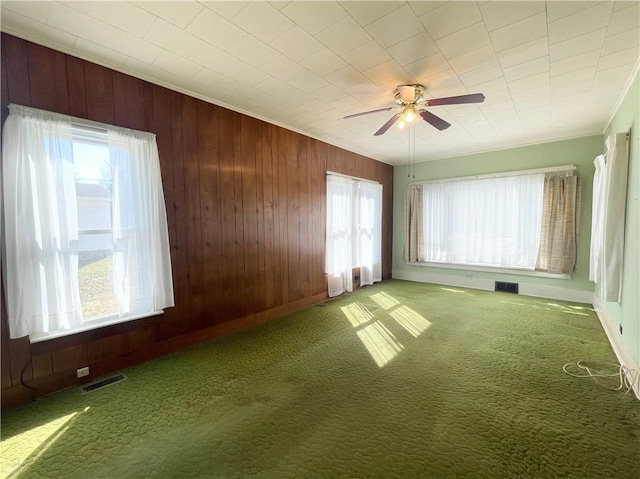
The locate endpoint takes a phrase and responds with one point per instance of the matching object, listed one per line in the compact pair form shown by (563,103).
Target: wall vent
(102,383)
(507,287)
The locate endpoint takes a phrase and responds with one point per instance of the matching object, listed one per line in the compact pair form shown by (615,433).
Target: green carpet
(397,380)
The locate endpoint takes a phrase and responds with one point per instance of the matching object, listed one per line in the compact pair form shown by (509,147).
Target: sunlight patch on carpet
(31,444)
(357,314)
(413,322)
(382,345)
(384,300)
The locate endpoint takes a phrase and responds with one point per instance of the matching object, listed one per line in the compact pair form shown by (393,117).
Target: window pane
(95,242)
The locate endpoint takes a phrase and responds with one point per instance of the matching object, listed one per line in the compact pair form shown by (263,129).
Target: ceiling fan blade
(388,124)
(455,100)
(367,112)
(436,121)
(407,93)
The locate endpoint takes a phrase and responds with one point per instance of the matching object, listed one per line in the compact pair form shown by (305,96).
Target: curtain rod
(333,173)
(534,171)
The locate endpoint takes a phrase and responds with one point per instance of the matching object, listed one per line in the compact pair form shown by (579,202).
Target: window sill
(94,324)
(490,269)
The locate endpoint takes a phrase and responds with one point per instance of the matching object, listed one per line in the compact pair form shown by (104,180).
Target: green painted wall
(627,313)
(580,152)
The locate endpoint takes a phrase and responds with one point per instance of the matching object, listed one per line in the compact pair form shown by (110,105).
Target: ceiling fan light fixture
(409,115)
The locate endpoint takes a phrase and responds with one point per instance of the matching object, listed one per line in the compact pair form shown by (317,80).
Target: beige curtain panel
(560,214)
(414,239)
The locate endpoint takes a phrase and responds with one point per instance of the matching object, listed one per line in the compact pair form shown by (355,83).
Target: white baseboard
(619,348)
(537,290)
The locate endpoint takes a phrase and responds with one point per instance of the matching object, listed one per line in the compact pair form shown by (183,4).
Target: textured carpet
(397,380)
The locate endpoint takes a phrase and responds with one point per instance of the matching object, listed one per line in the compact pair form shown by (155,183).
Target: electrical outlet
(82,372)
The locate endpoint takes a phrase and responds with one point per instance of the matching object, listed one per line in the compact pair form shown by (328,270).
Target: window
(523,221)
(85,225)
(354,237)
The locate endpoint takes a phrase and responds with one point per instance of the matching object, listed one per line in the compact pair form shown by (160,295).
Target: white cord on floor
(627,377)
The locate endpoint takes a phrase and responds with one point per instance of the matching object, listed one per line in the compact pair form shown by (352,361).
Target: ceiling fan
(410,99)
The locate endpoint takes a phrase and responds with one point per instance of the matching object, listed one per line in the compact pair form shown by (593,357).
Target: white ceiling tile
(93,50)
(308,82)
(176,64)
(314,16)
(253,51)
(413,49)
(421,7)
(428,66)
(172,38)
(387,72)
(495,91)
(364,90)
(573,77)
(366,56)
(527,83)
(38,11)
(262,21)
(78,24)
(524,53)
(624,57)
(620,73)
(464,41)
(619,42)
(134,47)
(278,4)
(612,87)
(274,86)
(216,30)
(178,13)
(395,27)
(576,62)
(248,74)
(576,46)
(124,16)
(144,70)
(522,70)
(438,80)
(562,9)
(329,94)
(283,68)
(450,18)
(592,19)
(542,91)
(500,14)
(213,58)
(344,36)
(520,32)
(367,12)
(297,44)
(473,60)
(323,62)
(571,89)
(225,8)
(481,75)
(346,77)
(623,20)
(17,24)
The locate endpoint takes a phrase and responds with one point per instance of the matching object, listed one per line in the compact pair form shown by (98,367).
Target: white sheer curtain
(607,241)
(41,227)
(339,255)
(41,223)
(354,232)
(141,258)
(368,238)
(489,221)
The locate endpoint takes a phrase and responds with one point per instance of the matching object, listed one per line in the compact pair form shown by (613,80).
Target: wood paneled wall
(245,207)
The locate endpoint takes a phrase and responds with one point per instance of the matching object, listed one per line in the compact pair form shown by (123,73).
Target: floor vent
(507,287)
(102,383)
